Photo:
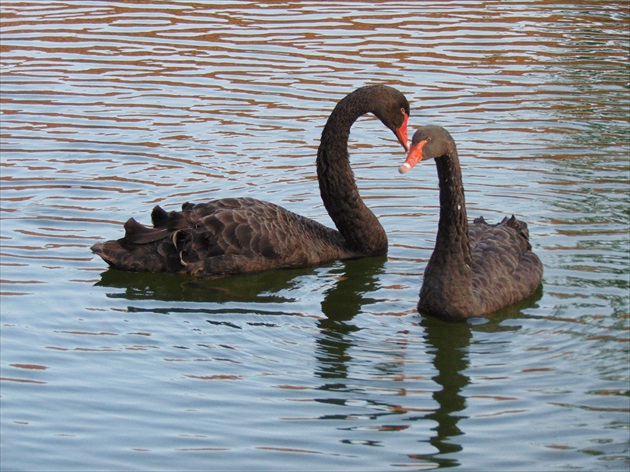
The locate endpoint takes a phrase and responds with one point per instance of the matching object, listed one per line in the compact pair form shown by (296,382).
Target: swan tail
(145,248)
(220,237)
(520,227)
(121,256)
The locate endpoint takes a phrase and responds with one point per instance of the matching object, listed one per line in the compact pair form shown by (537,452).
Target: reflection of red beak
(401,133)
(414,156)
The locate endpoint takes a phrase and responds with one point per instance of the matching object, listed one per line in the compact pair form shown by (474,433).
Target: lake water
(111,107)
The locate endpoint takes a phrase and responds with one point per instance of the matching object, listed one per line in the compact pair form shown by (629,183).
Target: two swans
(474,270)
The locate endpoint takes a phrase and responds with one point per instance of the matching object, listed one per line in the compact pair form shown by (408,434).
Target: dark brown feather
(242,235)
(478,269)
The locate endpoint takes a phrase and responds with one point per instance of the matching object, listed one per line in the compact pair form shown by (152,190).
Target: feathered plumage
(243,235)
(474,270)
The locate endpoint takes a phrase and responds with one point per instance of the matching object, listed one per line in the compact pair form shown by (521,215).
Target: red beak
(414,156)
(401,133)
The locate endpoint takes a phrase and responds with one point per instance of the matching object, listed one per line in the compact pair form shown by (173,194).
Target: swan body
(475,269)
(243,235)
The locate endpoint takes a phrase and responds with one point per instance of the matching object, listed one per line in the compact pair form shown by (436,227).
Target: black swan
(244,235)
(474,270)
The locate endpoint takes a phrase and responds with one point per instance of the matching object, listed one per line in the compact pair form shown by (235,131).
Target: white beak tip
(404,168)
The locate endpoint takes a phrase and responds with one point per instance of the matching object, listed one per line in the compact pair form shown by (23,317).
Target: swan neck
(354,220)
(453,226)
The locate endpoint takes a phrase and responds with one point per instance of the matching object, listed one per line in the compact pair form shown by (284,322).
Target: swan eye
(428,140)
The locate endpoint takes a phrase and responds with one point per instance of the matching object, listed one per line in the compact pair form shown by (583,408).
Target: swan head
(392,108)
(428,142)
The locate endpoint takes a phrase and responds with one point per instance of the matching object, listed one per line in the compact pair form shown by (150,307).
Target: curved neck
(452,246)
(354,220)
(448,284)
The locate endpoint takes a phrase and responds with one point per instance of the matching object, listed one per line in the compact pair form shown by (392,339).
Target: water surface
(109,108)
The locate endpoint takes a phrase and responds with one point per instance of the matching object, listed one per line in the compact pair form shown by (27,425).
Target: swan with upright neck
(244,235)
(475,269)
